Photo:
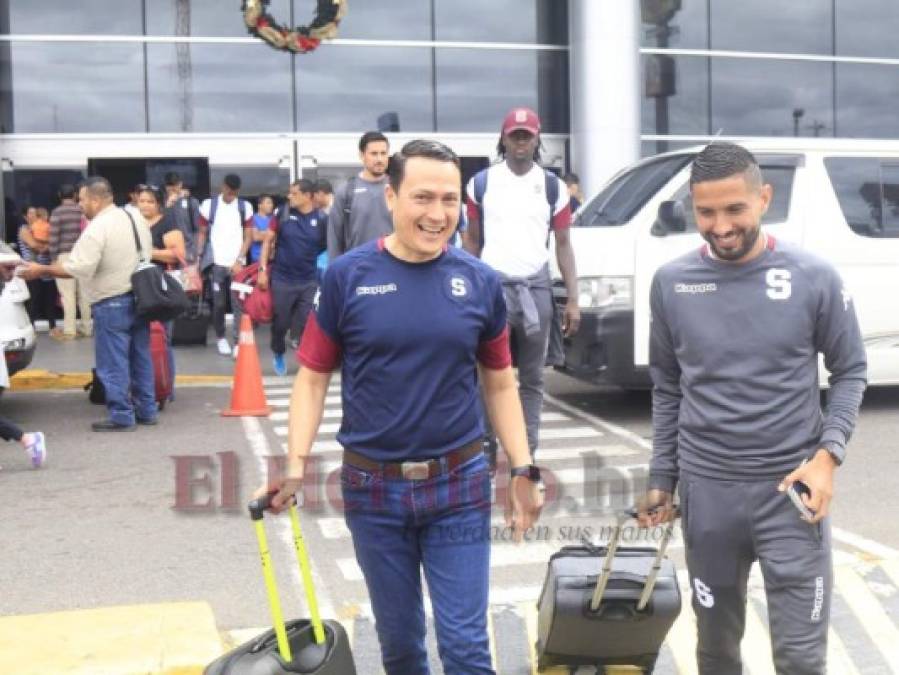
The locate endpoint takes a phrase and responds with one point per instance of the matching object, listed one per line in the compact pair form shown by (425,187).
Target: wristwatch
(529,471)
(242,260)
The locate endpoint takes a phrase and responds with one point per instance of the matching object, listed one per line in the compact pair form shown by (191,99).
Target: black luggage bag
(607,606)
(309,646)
(192,327)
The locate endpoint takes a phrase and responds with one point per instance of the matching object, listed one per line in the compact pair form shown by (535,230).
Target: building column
(604,65)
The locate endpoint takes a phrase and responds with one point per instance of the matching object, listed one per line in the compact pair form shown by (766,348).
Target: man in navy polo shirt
(301,233)
(413,322)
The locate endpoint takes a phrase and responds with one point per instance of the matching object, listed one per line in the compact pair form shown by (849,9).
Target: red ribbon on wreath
(301,39)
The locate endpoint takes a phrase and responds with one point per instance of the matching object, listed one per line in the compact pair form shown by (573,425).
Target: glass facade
(49,85)
(780,76)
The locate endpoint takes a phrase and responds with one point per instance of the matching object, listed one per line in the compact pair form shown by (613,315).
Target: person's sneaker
(234,352)
(37,449)
(278,365)
(223,347)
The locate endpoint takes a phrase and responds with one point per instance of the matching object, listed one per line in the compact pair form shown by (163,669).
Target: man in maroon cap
(512,207)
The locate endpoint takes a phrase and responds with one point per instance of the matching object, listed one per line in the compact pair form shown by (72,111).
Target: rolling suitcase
(310,646)
(606,606)
(159,355)
(192,327)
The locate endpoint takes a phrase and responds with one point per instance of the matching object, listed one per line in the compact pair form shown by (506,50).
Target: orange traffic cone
(247,394)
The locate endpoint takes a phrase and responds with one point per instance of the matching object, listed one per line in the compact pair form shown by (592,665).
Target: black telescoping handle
(258,506)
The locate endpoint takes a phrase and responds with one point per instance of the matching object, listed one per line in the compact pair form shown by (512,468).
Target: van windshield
(624,196)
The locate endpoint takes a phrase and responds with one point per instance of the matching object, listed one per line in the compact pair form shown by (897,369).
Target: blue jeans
(443,526)
(122,352)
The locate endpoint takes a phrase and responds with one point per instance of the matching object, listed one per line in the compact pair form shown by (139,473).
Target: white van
(836,198)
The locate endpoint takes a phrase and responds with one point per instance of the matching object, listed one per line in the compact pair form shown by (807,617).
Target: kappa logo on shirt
(695,288)
(381,289)
(313,222)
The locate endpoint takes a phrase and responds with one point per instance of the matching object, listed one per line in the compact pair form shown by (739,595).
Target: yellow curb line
(32,380)
(166,639)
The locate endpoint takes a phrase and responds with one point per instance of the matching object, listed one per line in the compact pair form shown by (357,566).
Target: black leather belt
(423,470)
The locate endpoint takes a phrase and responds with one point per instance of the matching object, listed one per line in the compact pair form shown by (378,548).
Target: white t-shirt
(226,233)
(517,219)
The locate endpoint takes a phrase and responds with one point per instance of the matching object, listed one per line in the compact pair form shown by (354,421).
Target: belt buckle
(415,470)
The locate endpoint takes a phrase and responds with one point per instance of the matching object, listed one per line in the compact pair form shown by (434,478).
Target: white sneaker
(234,353)
(224,347)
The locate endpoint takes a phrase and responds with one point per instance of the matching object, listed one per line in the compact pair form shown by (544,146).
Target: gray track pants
(727,525)
(530,357)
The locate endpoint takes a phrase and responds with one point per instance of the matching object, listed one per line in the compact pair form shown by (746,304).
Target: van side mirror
(671,218)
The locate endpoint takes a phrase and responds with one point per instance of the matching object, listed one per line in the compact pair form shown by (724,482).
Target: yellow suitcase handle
(257,508)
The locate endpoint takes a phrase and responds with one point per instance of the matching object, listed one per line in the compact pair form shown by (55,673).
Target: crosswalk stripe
(555,454)
(756,646)
(869,612)
(838,660)
(318,447)
(492,637)
(891,568)
(553,416)
(277,391)
(333,528)
(569,432)
(278,402)
(682,639)
(332,400)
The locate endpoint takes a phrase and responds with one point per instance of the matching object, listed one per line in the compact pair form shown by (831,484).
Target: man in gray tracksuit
(736,331)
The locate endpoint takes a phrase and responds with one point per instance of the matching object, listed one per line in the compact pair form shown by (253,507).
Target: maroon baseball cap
(521,118)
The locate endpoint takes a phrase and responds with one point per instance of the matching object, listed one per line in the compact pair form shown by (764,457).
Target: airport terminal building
(131,89)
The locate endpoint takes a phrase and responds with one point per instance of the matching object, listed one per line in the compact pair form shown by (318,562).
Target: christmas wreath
(302,39)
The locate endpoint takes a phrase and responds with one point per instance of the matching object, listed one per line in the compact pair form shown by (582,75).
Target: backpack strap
(480,188)
(552,191)
(213,206)
(348,192)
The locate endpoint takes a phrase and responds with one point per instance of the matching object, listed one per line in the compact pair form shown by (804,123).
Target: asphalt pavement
(151,527)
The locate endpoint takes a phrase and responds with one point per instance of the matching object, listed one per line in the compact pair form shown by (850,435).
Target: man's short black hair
(720,160)
(396,167)
(172,178)
(324,185)
(232,180)
(304,185)
(67,191)
(571,179)
(264,196)
(371,137)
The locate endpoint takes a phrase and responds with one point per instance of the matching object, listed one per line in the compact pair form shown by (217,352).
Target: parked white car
(836,198)
(17,334)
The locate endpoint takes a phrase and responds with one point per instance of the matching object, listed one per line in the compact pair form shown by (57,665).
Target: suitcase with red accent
(159,355)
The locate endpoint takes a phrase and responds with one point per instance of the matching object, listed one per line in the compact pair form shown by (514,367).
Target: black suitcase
(310,646)
(607,606)
(192,327)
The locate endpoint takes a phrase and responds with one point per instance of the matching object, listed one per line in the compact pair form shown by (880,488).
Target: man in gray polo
(736,330)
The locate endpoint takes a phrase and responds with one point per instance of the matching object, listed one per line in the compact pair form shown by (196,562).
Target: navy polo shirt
(409,337)
(301,237)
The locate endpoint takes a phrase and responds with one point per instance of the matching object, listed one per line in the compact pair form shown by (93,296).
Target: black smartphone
(795,492)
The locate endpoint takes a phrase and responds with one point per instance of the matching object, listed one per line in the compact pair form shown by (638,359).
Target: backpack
(551,190)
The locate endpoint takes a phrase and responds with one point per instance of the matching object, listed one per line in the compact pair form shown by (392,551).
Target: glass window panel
(349,88)
(218,88)
(652,148)
(866,100)
(476,88)
(685,80)
(761,97)
(683,24)
(624,196)
(867,28)
(75,87)
(772,26)
(207,17)
(85,17)
(378,19)
(528,21)
(856,181)
(868,192)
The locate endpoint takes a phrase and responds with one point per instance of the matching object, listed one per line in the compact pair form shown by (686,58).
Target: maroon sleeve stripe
(318,351)
(496,353)
(562,219)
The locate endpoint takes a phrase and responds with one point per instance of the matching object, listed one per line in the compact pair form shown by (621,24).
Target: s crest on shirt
(779,284)
(457,287)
